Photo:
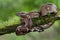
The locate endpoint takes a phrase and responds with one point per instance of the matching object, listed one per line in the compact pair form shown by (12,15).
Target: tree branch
(10,29)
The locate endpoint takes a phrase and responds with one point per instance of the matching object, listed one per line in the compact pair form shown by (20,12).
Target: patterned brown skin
(26,22)
(40,28)
(21,30)
(48,9)
(26,18)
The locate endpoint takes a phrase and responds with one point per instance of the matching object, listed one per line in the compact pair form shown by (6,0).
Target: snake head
(48,9)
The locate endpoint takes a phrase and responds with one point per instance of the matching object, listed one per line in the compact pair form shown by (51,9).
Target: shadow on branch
(8,29)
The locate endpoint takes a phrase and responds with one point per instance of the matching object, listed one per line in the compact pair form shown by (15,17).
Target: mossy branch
(10,29)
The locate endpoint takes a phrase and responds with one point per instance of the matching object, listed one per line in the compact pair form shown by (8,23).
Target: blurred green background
(8,9)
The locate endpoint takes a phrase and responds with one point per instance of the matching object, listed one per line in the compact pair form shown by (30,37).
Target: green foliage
(8,9)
